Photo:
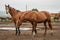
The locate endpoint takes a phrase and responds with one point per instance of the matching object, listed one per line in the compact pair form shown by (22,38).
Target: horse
(37,17)
(32,16)
(57,17)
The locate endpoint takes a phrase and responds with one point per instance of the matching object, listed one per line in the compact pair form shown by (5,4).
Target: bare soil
(27,35)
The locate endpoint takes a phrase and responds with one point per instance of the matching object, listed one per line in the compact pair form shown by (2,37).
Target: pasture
(27,34)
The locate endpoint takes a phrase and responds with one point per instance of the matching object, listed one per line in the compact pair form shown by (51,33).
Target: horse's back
(34,16)
(29,16)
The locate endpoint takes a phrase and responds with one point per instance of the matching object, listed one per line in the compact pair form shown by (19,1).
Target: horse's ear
(8,5)
(5,4)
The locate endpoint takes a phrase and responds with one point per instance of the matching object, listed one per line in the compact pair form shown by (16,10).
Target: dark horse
(56,18)
(32,16)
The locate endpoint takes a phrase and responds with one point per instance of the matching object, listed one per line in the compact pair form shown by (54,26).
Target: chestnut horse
(31,16)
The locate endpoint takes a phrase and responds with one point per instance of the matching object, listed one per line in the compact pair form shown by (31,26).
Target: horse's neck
(13,13)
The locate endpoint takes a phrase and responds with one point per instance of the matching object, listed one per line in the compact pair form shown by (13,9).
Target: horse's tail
(48,19)
(49,23)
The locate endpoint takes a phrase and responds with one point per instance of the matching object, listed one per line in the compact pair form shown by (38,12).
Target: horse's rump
(47,14)
(41,16)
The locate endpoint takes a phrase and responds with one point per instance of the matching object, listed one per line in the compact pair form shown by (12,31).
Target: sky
(48,5)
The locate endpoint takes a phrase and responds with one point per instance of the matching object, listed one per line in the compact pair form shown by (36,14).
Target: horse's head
(7,8)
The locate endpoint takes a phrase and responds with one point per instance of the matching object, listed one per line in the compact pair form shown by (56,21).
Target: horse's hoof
(44,39)
(16,34)
(44,34)
(51,34)
(33,33)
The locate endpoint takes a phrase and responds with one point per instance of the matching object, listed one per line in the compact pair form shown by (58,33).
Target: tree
(35,9)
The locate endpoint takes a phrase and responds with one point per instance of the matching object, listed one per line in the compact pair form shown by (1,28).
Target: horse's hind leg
(50,26)
(34,31)
(45,28)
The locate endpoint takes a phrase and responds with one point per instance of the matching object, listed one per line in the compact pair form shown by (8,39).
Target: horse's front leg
(16,31)
(17,25)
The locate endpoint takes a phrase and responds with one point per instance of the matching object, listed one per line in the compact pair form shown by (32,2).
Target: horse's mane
(18,10)
(15,9)
(12,8)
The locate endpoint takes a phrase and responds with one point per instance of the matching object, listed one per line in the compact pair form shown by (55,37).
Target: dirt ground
(27,35)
